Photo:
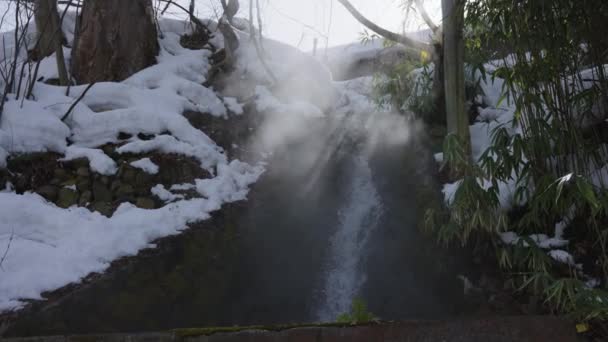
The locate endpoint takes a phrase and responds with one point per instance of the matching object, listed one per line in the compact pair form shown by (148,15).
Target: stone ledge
(496,329)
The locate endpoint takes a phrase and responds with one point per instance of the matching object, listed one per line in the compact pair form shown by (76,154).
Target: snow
(30,126)
(209,155)
(562,257)
(146,165)
(57,246)
(48,247)
(165,195)
(98,160)
(233,105)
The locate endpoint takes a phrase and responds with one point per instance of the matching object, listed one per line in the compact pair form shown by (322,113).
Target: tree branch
(425,16)
(399,38)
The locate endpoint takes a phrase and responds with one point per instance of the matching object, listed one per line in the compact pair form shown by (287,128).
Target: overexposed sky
(285,20)
(299,22)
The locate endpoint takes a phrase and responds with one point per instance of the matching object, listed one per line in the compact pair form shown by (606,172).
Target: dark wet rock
(124,136)
(144,180)
(83,171)
(50,192)
(125,192)
(77,163)
(129,174)
(67,198)
(85,198)
(103,208)
(145,203)
(101,193)
(60,173)
(115,185)
(32,171)
(83,184)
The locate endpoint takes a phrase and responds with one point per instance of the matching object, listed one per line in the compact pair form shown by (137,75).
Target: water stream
(357,218)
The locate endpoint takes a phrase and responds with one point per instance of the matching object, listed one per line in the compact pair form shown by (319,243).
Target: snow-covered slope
(46,247)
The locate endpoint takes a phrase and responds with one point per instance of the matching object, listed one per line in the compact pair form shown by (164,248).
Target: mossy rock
(145,203)
(129,174)
(50,192)
(85,198)
(103,208)
(60,173)
(67,198)
(76,163)
(124,191)
(83,171)
(83,184)
(101,193)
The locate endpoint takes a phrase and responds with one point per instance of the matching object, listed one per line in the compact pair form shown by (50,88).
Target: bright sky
(299,22)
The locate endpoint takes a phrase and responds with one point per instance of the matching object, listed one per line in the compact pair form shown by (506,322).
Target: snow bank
(51,247)
(48,247)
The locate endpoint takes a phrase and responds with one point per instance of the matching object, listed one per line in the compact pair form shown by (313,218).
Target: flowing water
(358,217)
(318,231)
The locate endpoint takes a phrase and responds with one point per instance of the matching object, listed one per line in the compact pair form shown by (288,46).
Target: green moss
(193,332)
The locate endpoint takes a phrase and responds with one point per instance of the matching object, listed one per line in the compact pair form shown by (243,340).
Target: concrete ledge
(498,329)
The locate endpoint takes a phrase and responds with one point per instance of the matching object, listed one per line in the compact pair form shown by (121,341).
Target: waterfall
(358,216)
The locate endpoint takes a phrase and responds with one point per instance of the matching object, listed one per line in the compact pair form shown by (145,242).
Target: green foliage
(407,87)
(358,314)
(551,58)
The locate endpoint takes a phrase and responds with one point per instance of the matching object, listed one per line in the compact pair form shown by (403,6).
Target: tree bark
(115,39)
(50,36)
(453,45)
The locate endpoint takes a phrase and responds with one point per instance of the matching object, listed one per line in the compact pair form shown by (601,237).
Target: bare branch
(67,114)
(425,16)
(399,38)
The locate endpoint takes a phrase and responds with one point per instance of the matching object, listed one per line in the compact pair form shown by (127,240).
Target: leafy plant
(358,314)
(553,155)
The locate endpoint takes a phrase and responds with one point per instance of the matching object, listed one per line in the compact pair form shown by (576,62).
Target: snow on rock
(165,195)
(233,105)
(207,154)
(50,246)
(98,160)
(31,127)
(146,165)
(54,246)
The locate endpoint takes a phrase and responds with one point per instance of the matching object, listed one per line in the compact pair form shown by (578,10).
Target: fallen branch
(65,116)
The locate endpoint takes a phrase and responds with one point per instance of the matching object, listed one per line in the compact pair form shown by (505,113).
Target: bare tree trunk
(50,36)
(116,38)
(453,44)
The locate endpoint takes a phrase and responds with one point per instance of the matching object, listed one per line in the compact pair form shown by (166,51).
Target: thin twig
(65,116)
